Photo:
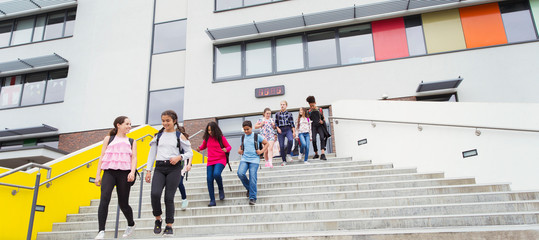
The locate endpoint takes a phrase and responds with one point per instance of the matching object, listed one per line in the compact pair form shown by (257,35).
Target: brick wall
(71,142)
(193,126)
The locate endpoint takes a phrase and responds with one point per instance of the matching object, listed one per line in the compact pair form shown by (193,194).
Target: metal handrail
(434,124)
(49,170)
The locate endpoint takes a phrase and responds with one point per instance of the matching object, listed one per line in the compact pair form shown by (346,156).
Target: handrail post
(140,193)
(33,210)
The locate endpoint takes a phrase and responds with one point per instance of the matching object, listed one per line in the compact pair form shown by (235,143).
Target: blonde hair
(285,102)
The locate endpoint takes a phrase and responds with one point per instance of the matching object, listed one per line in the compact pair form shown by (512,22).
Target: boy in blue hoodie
(250,159)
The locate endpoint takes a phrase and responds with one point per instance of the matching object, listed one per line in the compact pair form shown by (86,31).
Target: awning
(439,85)
(31,63)
(304,20)
(26,131)
(12,7)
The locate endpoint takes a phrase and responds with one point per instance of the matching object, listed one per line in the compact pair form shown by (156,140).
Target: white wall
(496,74)
(503,156)
(108,68)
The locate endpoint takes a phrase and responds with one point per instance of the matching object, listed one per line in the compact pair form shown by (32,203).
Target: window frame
(215,10)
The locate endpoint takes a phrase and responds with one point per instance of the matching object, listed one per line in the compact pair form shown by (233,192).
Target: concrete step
(334,204)
(238,190)
(294,192)
(343,214)
(487,219)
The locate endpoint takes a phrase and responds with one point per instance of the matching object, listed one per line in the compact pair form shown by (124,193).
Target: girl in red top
(217,147)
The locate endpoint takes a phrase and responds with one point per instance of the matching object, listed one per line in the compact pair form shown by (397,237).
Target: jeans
(249,184)
(286,131)
(165,176)
(110,179)
(304,139)
(318,130)
(213,172)
(181,187)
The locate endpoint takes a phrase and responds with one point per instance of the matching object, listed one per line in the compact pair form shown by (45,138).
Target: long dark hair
(305,114)
(119,120)
(215,132)
(174,117)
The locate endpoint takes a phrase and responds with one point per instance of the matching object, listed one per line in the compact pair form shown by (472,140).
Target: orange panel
(482,25)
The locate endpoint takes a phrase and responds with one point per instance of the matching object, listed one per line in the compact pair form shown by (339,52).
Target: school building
(68,68)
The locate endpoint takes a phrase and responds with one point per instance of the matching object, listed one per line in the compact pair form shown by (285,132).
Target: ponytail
(118,120)
(182,130)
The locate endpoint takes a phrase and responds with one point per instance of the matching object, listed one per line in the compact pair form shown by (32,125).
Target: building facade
(68,69)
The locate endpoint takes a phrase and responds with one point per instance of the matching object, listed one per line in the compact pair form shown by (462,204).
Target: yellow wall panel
(443,31)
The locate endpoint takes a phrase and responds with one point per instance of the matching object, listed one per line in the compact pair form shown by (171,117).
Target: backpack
(227,154)
(178,136)
(130,142)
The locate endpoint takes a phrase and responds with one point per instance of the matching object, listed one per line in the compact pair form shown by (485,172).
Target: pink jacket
(215,153)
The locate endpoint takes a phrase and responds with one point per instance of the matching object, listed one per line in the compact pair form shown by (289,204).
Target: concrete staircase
(334,199)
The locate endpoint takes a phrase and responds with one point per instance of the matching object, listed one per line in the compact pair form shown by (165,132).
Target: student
(285,129)
(217,146)
(267,125)
(250,160)
(169,160)
(318,127)
(303,129)
(181,187)
(119,162)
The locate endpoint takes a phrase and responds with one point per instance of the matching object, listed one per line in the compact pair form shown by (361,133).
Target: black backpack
(227,154)
(130,142)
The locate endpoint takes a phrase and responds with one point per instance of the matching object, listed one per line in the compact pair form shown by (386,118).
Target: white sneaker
(128,231)
(185,203)
(300,156)
(307,162)
(100,235)
(289,158)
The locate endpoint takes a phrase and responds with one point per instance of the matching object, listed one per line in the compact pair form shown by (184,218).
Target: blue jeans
(304,139)
(286,132)
(181,187)
(249,184)
(213,172)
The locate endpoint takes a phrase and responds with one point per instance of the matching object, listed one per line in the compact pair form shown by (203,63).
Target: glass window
(228,61)
(227,4)
(5,33)
(10,94)
(165,100)
(34,89)
(55,90)
(70,23)
(356,44)
(289,53)
(258,58)
(11,145)
(33,93)
(231,125)
(55,26)
(414,35)
(23,31)
(235,143)
(169,36)
(517,21)
(56,86)
(322,49)
(38,30)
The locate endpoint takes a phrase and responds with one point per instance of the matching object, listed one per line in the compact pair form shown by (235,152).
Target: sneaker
(289,158)
(185,203)
(157,227)
(100,235)
(168,232)
(271,165)
(316,156)
(283,164)
(323,157)
(267,164)
(212,204)
(252,202)
(300,156)
(128,231)
(307,162)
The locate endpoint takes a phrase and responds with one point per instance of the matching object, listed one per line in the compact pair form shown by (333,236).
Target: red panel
(389,38)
